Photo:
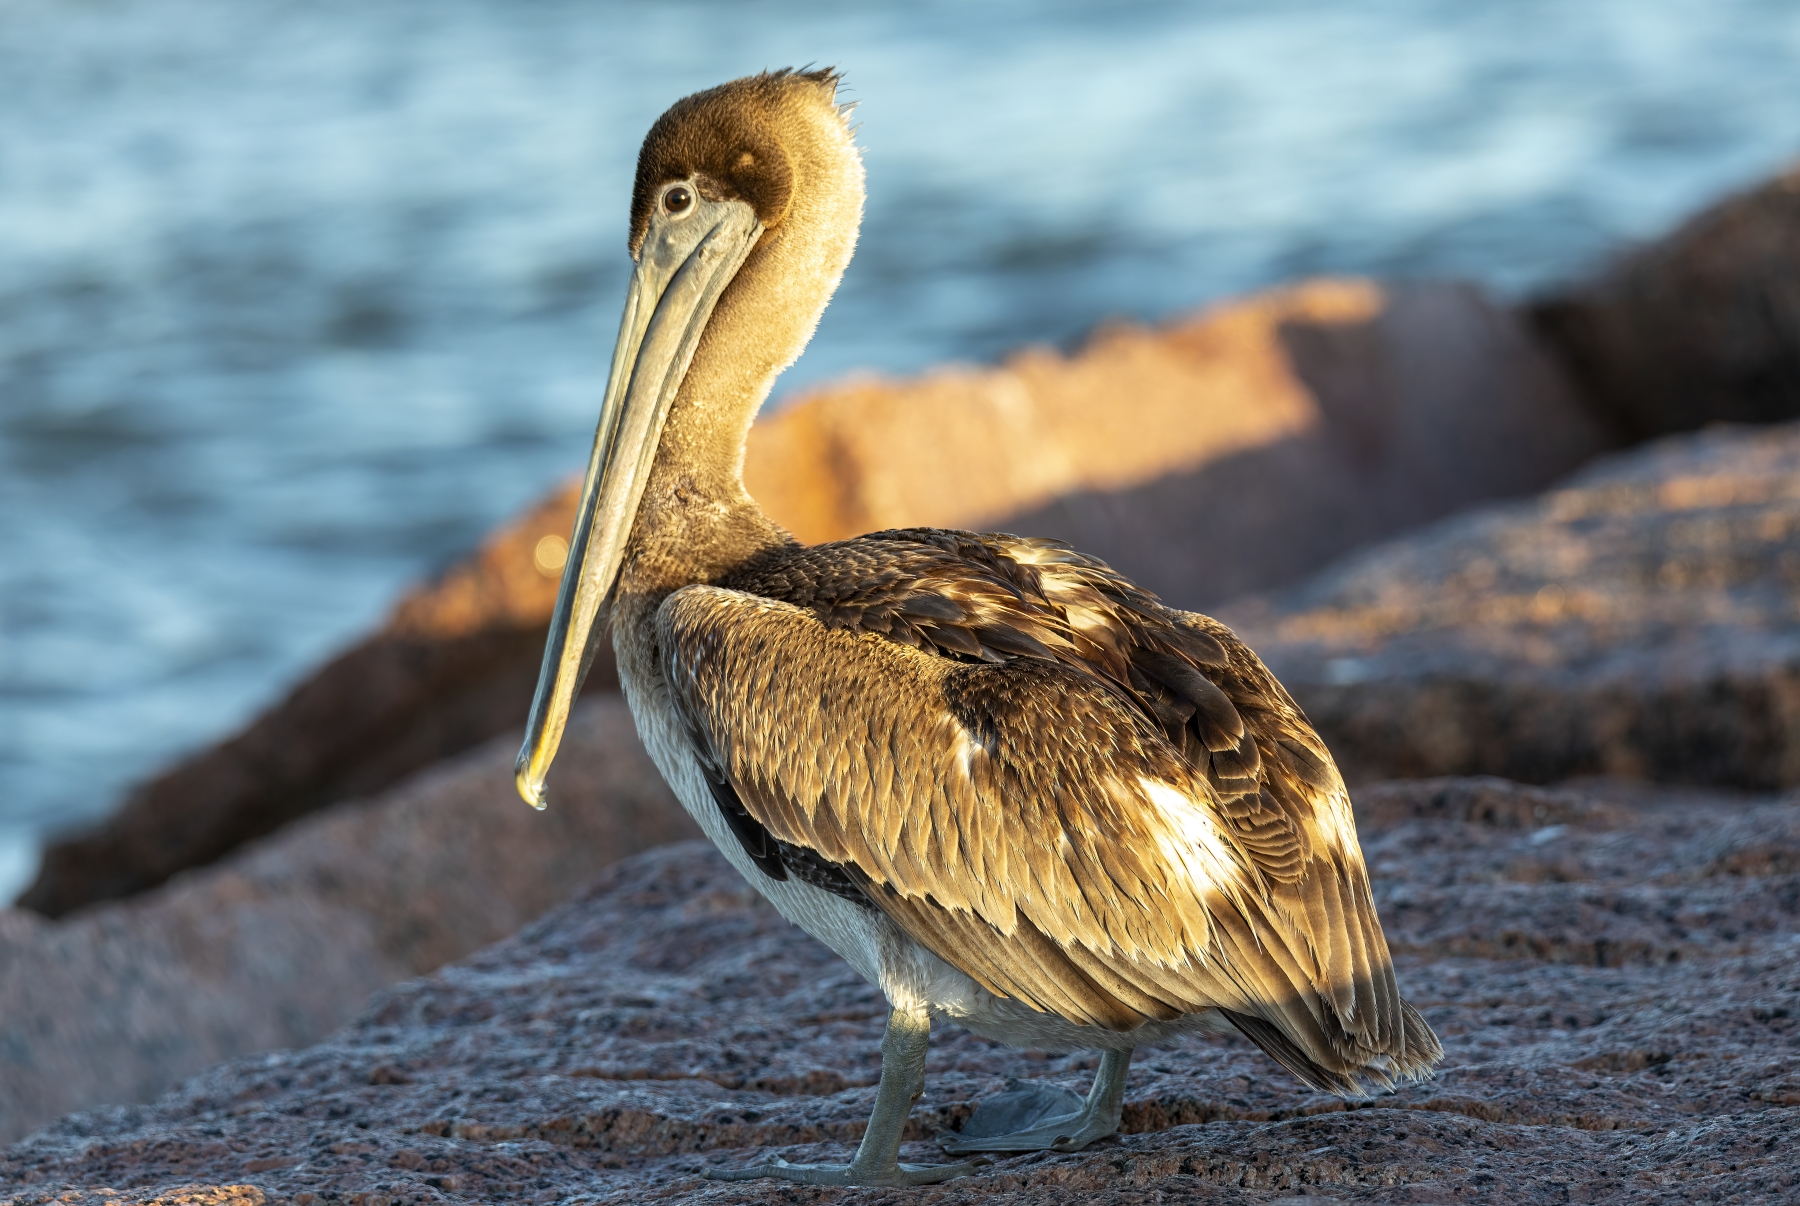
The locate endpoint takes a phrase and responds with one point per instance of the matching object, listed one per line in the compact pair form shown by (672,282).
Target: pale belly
(880,951)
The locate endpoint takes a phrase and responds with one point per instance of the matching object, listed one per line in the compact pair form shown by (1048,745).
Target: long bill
(684,265)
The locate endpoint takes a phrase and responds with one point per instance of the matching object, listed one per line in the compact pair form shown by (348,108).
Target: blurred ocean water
(297,299)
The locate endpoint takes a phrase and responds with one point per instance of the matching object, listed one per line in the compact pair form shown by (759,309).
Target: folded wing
(1105,809)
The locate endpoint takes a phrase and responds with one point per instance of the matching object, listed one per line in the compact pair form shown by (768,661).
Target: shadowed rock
(1231,451)
(1638,621)
(1699,327)
(282,942)
(1615,1003)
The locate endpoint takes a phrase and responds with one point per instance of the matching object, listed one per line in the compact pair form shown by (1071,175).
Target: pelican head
(744,214)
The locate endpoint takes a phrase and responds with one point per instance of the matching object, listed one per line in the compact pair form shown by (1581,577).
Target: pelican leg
(877,1160)
(1032,1117)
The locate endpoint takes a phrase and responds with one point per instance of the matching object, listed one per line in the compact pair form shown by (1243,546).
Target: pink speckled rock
(1613,974)
(281,943)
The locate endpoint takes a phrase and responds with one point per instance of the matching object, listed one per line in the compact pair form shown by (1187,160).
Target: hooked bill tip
(530,790)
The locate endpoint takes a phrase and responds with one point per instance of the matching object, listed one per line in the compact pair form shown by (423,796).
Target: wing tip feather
(1357,1076)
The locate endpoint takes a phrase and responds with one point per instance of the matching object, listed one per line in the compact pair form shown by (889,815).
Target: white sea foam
(18,860)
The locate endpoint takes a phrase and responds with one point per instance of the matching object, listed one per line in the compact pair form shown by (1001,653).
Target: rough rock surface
(1231,451)
(1613,974)
(284,941)
(1642,620)
(1699,327)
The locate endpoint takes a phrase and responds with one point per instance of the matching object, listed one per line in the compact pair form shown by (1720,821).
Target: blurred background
(298,299)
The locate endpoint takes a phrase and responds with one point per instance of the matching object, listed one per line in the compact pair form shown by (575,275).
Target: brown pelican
(1011,788)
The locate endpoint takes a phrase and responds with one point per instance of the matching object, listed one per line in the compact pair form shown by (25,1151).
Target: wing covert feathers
(1087,801)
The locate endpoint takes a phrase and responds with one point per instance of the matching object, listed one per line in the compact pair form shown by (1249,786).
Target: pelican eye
(679,199)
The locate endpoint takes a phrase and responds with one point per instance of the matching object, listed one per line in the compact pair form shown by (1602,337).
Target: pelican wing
(1103,808)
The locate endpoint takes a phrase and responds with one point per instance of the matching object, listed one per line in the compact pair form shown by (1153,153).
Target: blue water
(297,299)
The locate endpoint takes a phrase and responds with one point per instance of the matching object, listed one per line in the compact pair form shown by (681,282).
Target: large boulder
(1698,327)
(1234,450)
(1613,980)
(1638,621)
(282,942)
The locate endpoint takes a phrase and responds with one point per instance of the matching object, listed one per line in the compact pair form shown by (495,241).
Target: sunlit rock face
(1639,620)
(1612,973)
(1232,451)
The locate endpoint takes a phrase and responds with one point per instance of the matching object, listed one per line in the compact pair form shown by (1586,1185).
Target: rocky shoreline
(1608,958)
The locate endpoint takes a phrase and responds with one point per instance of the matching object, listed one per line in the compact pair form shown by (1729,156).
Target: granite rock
(1288,427)
(1640,620)
(282,942)
(1612,970)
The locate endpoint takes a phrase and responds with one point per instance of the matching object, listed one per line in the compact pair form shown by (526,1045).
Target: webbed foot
(1035,1117)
